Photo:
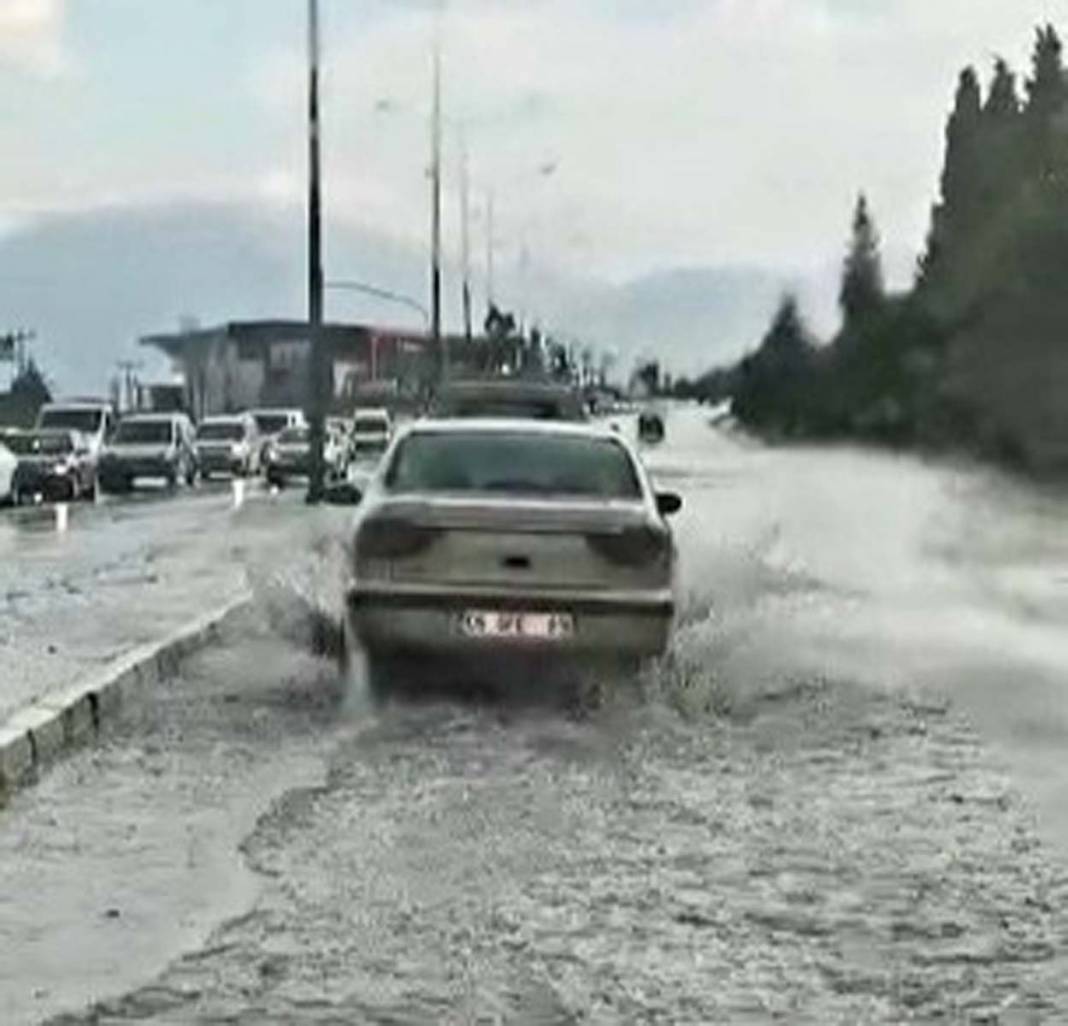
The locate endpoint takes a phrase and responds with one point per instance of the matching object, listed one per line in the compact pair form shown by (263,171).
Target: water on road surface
(836,801)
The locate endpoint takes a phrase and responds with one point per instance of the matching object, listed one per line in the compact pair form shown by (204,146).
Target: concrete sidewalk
(128,585)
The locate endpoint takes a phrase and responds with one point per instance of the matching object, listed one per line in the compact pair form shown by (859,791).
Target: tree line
(975,352)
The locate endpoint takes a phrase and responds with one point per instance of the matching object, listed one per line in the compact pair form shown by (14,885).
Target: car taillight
(632,546)
(392,537)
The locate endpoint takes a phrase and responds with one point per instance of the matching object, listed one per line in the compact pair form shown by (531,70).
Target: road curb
(39,734)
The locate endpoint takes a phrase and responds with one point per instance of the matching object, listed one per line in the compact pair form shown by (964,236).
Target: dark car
(650,427)
(509,398)
(54,465)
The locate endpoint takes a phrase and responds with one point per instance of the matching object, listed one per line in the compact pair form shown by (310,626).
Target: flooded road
(837,801)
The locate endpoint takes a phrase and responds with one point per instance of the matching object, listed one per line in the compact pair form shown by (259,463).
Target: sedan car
(371,432)
(228,445)
(289,455)
(490,540)
(8,463)
(56,466)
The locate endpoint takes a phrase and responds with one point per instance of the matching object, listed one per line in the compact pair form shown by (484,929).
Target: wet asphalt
(822,807)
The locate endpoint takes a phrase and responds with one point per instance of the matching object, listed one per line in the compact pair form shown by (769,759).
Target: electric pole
(490,244)
(316,363)
(441,356)
(465,237)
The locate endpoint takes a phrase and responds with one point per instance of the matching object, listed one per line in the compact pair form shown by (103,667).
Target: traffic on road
(79,451)
(272,840)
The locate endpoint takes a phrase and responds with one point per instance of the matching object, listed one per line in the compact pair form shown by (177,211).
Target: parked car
(650,427)
(8,462)
(289,456)
(509,397)
(481,540)
(157,445)
(56,466)
(371,432)
(94,419)
(228,445)
(271,422)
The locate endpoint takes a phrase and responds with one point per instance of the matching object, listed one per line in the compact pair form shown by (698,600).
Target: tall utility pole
(465,237)
(441,355)
(490,244)
(317,362)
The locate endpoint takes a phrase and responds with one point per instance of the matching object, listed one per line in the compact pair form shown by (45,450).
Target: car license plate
(487,624)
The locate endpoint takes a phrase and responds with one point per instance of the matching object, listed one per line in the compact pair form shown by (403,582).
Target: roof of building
(267,331)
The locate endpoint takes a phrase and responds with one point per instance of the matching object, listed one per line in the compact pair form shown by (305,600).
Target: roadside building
(247,364)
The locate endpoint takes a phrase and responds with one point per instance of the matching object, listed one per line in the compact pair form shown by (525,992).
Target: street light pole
(317,399)
(440,354)
(465,237)
(380,293)
(490,244)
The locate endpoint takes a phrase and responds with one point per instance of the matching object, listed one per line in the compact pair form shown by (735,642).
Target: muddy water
(791,819)
(829,857)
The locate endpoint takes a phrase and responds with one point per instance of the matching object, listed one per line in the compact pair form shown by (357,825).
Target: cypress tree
(863,291)
(1047,94)
(1002,103)
(960,174)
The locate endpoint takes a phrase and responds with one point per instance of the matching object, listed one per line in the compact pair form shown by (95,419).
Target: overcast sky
(683,132)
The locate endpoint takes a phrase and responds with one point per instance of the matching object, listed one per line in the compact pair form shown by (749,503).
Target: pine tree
(863,291)
(960,174)
(1001,165)
(1046,90)
(787,337)
(962,133)
(1047,94)
(1002,103)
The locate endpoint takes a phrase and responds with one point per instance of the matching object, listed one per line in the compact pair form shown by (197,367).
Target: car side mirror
(668,503)
(345,493)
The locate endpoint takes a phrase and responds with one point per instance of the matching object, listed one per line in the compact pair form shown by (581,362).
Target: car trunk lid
(522,545)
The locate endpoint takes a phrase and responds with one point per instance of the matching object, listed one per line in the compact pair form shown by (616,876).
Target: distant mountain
(92,283)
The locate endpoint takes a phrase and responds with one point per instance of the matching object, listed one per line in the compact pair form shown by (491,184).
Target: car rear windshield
(144,431)
(229,431)
(513,463)
(295,436)
(271,423)
(72,419)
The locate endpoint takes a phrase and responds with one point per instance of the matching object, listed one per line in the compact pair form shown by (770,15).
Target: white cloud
(31,36)
(685,131)
(726,131)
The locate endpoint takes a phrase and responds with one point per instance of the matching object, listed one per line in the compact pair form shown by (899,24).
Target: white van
(94,420)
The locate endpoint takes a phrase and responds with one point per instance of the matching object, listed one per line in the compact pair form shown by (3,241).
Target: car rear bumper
(143,466)
(293,468)
(221,464)
(48,484)
(416,619)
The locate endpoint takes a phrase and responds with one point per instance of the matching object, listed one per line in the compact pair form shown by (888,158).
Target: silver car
(489,540)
